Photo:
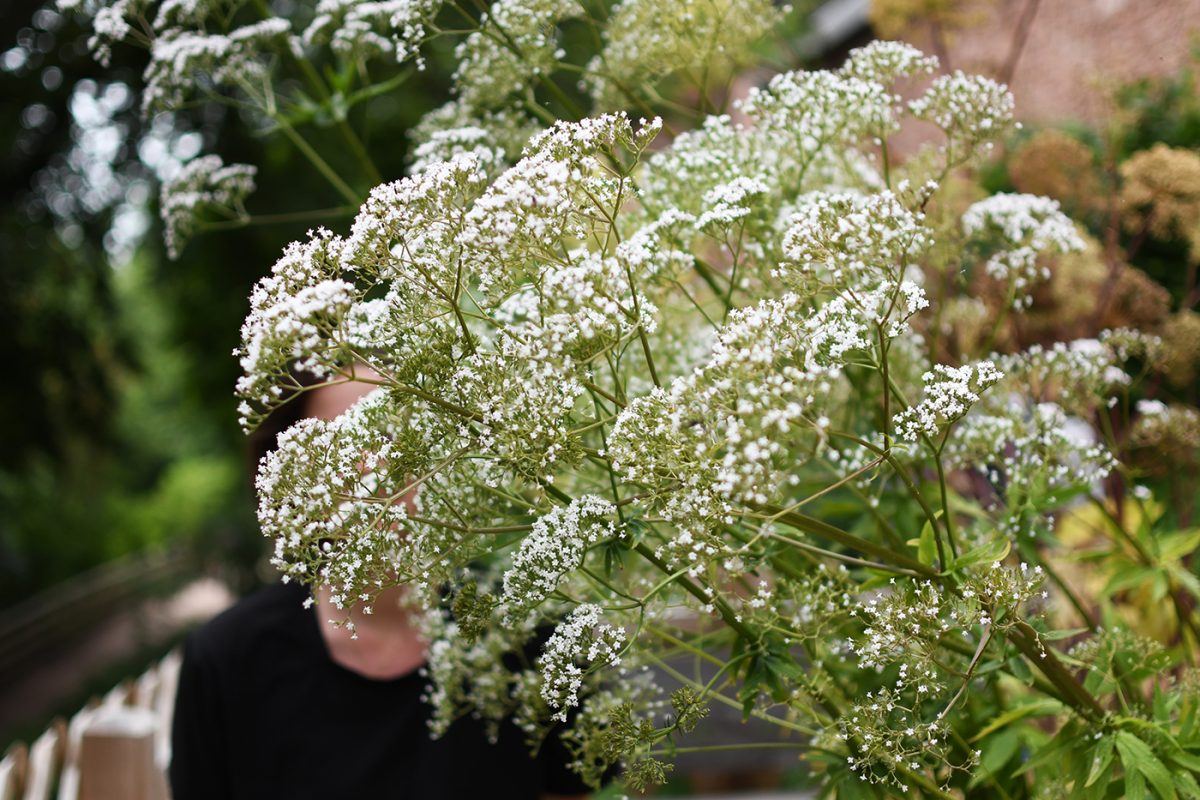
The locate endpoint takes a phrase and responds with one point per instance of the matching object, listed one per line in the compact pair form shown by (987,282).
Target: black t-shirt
(263,712)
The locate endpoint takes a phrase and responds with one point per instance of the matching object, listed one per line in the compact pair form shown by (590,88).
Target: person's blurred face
(329,401)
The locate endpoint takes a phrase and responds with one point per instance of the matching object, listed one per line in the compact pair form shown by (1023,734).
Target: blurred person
(274,702)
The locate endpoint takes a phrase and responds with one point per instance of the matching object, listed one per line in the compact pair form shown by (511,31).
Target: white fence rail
(117,748)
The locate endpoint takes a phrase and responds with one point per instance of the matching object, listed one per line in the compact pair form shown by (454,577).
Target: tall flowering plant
(694,395)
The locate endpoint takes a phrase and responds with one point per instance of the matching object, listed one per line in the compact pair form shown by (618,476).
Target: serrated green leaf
(1182,758)
(1136,755)
(1102,757)
(1041,708)
(995,550)
(1177,545)
(1185,782)
(1186,579)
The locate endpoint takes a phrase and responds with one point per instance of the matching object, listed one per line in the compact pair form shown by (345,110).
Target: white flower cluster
(110,22)
(681,176)
(729,432)
(555,547)
(949,394)
(358,30)
(813,109)
(647,40)
(310,316)
(886,62)
(799,119)
(556,192)
(852,239)
(660,250)
(581,642)
(473,676)
(579,309)
(1174,428)
(1028,227)
(497,135)
(516,43)
(1077,375)
(1031,456)
(1003,588)
(445,145)
(523,397)
(726,203)
(970,109)
(183,60)
(328,497)
(293,314)
(205,184)
(903,627)
(892,740)
(187,53)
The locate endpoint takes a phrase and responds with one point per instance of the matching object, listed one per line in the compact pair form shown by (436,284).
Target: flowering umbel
(642,398)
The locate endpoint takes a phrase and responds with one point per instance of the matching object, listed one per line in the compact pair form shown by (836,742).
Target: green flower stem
(280,219)
(558,94)
(824,529)
(465,529)
(314,79)
(983,643)
(841,481)
(1026,640)
(709,276)
(1033,554)
(883,366)
(610,397)
(314,157)
(1021,635)
(900,471)
(720,698)
(947,516)
(712,748)
(722,607)
(415,392)
(858,562)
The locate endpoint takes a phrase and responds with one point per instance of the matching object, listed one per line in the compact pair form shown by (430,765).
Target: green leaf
(1135,785)
(1137,756)
(1127,578)
(997,752)
(1053,636)
(1102,758)
(1177,545)
(995,550)
(1020,670)
(927,544)
(1041,708)
(1186,784)
(1053,750)
(1182,758)
(1186,578)
(1160,586)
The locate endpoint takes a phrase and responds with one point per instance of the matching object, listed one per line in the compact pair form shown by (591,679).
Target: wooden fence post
(116,756)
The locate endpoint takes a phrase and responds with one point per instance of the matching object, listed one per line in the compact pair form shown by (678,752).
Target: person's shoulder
(263,614)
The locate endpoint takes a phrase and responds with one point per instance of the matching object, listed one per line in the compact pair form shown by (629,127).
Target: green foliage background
(117,415)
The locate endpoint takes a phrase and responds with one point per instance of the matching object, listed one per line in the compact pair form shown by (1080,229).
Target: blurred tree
(118,415)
